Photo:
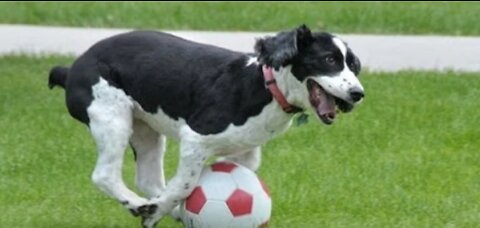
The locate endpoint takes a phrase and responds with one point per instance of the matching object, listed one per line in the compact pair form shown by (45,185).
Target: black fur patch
(279,50)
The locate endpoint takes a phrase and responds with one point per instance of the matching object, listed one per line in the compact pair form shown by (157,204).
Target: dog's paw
(144,211)
(149,215)
(159,212)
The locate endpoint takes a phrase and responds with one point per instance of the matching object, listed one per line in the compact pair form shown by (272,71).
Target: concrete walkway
(378,53)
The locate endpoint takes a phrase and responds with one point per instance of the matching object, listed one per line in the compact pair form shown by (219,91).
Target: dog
(140,87)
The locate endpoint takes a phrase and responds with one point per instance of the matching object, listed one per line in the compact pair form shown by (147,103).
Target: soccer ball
(227,195)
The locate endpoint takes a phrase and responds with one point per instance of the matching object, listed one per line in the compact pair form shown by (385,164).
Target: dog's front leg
(192,158)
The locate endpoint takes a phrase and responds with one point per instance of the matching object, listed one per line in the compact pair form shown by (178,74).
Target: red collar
(271,84)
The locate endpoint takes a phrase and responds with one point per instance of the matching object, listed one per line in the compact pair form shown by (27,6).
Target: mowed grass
(407,157)
(452,18)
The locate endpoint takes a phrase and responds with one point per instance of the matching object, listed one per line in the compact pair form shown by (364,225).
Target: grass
(451,18)
(407,157)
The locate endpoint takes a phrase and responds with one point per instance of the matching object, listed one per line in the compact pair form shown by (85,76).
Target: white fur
(235,139)
(192,159)
(111,127)
(294,90)
(150,148)
(341,45)
(252,60)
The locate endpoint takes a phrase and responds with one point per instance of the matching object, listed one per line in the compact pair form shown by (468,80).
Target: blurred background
(447,18)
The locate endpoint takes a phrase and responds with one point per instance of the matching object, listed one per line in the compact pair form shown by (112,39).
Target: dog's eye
(330,60)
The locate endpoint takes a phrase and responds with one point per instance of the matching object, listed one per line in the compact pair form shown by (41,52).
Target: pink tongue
(326,105)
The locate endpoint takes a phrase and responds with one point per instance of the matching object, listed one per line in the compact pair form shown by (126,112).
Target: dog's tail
(58,76)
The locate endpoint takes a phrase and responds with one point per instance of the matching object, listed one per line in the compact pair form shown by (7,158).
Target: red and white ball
(227,195)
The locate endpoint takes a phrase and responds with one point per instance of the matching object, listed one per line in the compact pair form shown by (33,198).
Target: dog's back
(123,58)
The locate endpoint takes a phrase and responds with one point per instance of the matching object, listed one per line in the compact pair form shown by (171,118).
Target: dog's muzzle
(325,104)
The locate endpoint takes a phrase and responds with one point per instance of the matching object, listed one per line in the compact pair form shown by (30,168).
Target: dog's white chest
(235,138)
(255,132)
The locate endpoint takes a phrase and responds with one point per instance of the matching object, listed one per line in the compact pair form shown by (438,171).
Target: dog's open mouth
(325,104)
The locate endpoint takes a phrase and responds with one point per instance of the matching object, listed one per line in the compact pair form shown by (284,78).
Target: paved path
(378,53)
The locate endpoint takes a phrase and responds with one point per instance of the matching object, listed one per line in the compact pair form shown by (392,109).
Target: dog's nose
(356,94)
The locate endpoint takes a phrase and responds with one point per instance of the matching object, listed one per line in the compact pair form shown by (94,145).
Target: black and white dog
(142,86)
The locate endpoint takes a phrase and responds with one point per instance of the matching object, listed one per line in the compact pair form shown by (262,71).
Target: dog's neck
(294,91)
(271,84)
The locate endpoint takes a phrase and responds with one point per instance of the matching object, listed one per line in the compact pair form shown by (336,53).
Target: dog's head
(322,69)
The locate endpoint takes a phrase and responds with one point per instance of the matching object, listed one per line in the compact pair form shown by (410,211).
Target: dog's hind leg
(110,115)
(149,147)
(250,159)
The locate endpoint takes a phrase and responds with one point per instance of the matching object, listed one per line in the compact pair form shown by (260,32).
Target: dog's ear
(276,51)
(356,65)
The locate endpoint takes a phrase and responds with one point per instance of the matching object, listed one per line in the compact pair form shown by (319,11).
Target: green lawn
(407,157)
(453,18)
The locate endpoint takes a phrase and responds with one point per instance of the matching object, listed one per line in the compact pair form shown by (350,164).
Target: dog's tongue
(323,102)
(327,105)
